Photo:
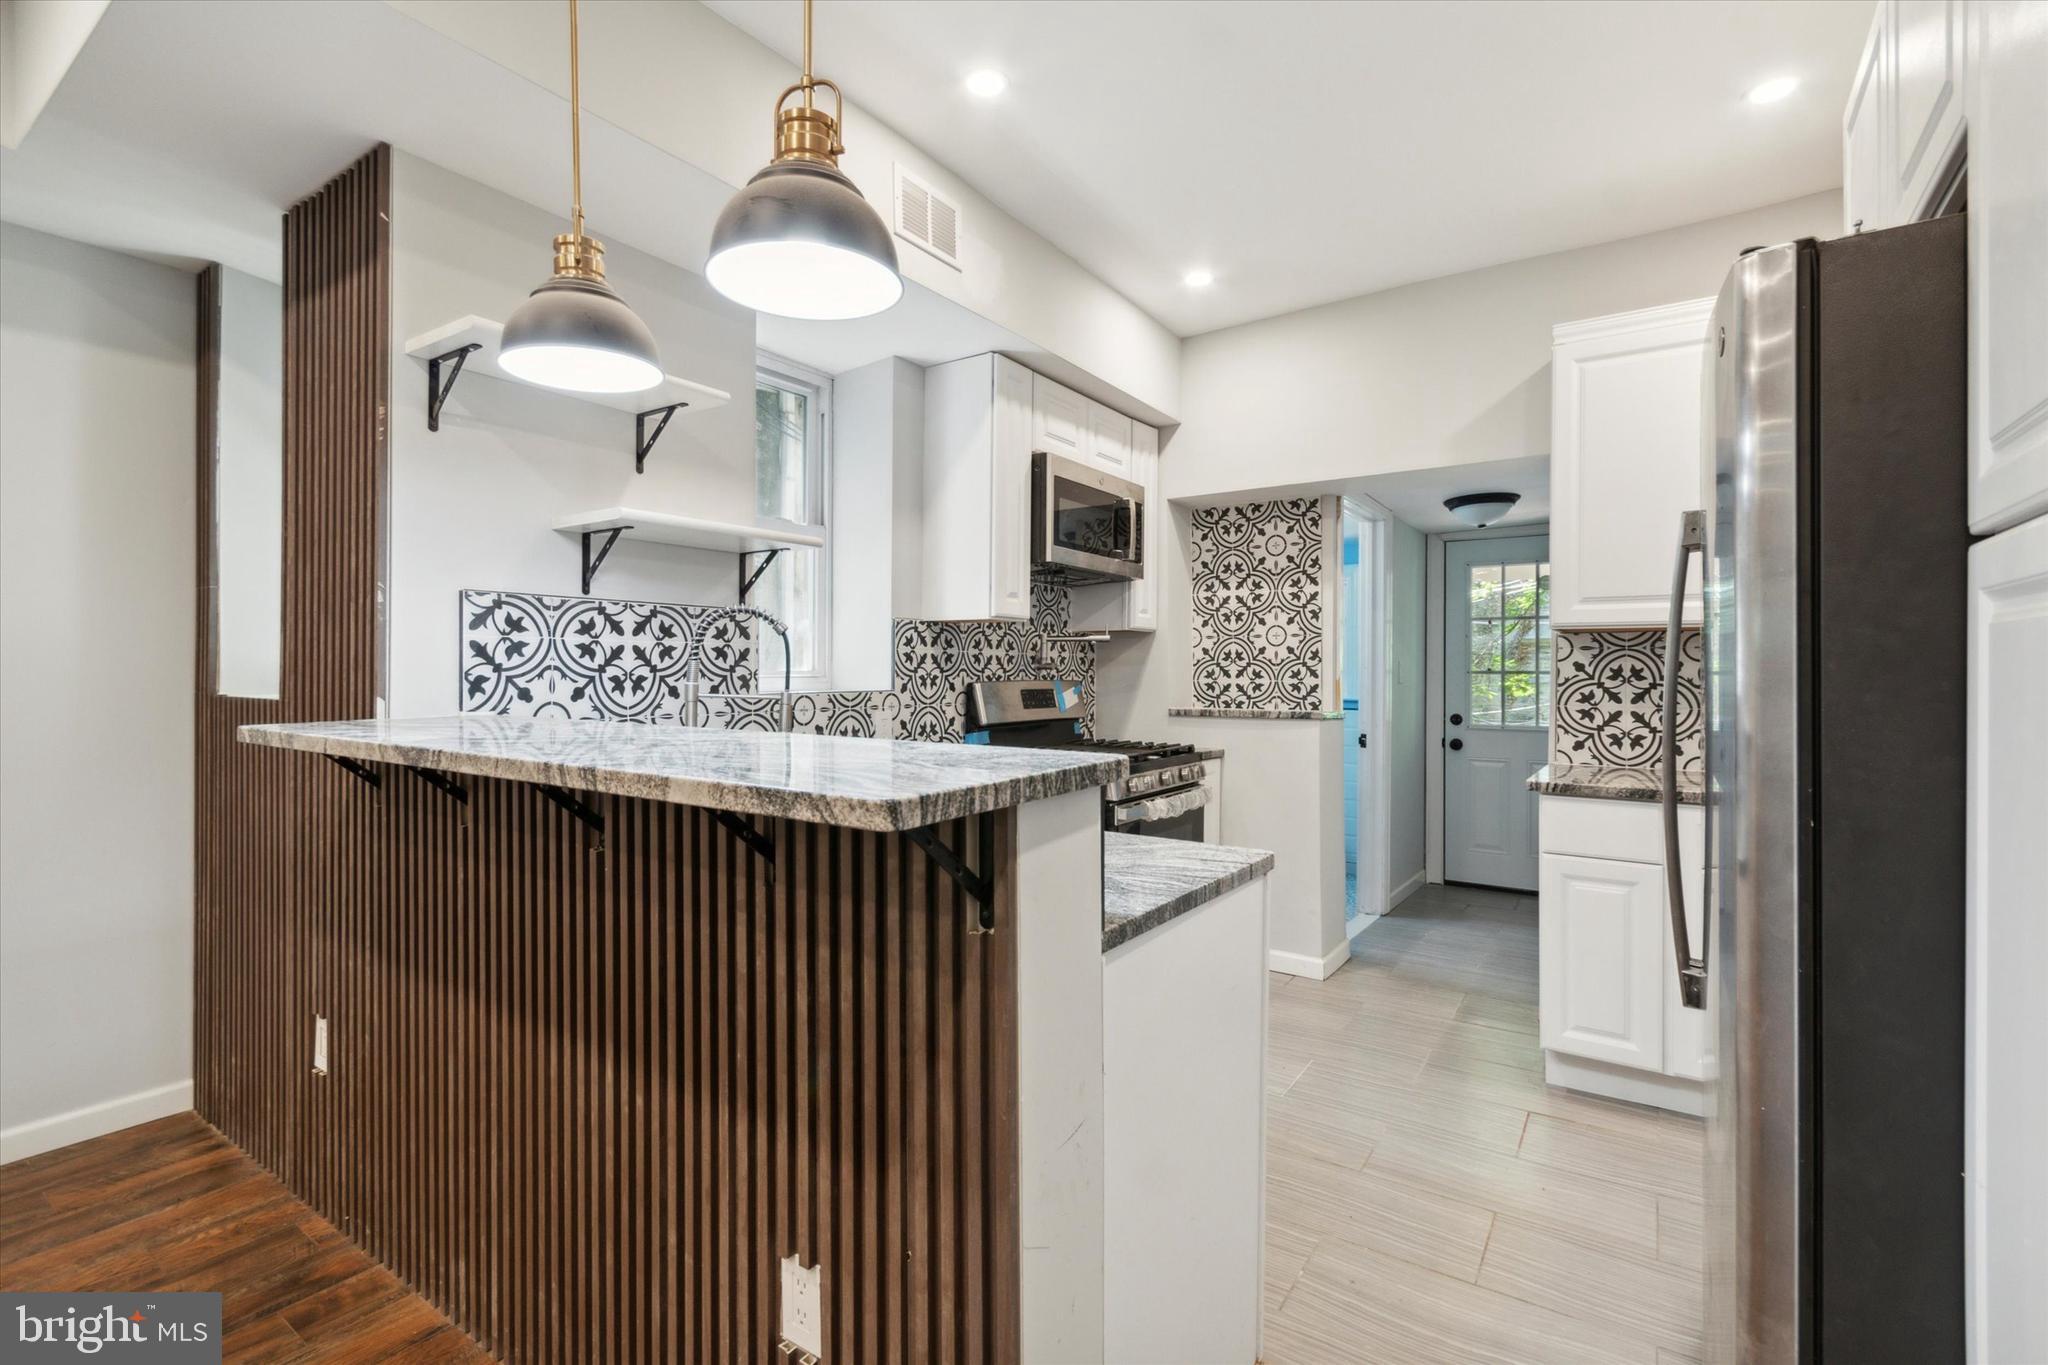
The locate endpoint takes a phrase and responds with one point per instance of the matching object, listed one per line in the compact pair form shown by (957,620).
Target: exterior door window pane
(1509,629)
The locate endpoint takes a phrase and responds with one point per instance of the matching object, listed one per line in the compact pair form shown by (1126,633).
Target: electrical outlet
(319,1045)
(803,1317)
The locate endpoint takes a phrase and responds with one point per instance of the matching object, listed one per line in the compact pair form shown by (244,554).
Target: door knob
(1361,742)
(1457,744)
(1457,719)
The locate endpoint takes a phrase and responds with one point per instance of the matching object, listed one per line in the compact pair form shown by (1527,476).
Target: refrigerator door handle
(1692,971)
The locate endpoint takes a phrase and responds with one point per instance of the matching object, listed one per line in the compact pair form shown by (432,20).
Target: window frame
(783,373)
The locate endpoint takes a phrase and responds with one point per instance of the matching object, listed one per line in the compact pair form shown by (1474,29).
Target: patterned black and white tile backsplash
(1257,605)
(937,660)
(1609,689)
(594,658)
(587,658)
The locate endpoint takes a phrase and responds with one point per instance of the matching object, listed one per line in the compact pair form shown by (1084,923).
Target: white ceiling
(1311,150)
(1416,496)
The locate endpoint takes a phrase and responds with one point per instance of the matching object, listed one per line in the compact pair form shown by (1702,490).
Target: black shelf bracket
(357,770)
(592,821)
(643,439)
(737,826)
(748,580)
(980,885)
(437,392)
(592,565)
(442,783)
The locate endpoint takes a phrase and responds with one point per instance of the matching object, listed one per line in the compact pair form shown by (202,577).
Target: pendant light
(799,241)
(573,332)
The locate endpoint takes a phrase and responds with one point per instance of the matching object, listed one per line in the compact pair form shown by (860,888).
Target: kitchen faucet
(690,649)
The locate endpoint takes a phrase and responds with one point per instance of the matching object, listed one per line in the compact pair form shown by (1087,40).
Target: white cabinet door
(1109,440)
(1599,942)
(1926,101)
(1059,419)
(1625,462)
(2006,1011)
(2008,106)
(1009,540)
(1867,192)
(1688,1042)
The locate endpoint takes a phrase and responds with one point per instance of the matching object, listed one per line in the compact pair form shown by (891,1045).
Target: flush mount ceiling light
(799,241)
(1773,90)
(573,332)
(987,84)
(1198,278)
(1481,509)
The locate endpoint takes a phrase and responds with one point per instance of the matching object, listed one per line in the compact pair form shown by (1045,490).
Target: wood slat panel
(583,1095)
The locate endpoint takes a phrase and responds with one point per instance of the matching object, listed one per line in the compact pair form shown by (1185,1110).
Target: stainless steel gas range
(1163,796)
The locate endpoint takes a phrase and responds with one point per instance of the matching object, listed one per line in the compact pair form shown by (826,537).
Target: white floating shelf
(486,334)
(665,528)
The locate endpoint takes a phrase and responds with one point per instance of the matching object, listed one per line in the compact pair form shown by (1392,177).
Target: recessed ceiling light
(987,84)
(1198,278)
(1773,90)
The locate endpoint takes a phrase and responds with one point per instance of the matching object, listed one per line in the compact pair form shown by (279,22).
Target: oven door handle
(1159,807)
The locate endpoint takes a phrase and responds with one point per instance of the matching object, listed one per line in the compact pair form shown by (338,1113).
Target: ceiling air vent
(927,219)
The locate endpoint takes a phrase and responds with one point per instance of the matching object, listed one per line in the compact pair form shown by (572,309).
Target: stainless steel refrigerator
(1832,539)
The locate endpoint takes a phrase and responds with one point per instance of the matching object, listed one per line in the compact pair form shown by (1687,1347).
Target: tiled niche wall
(1608,690)
(592,658)
(1258,613)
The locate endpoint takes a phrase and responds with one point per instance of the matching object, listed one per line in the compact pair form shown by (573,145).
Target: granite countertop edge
(925,798)
(1149,881)
(1248,713)
(1605,782)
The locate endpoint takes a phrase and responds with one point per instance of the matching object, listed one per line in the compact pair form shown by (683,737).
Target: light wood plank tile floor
(1430,1199)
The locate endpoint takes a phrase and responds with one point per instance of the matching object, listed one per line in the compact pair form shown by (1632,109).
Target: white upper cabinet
(1902,132)
(1866,171)
(1625,462)
(1133,605)
(2007,42)
(1059,419)
(1926,43)
(978,424)
(1109,440)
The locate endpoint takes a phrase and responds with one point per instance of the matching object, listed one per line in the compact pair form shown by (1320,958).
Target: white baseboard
(1314,968)
(1625,1083)
(94,1120)
(1408,888)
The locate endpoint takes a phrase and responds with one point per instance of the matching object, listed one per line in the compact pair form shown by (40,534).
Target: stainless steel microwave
(1086,526)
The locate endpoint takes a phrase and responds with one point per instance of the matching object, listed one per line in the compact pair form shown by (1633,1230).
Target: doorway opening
(1362,667)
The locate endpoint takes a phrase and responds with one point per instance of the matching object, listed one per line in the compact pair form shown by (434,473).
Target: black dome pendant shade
(574,332)
(799,240)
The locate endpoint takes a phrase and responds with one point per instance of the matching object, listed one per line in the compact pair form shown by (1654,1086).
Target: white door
(1496,706)
(1600,943)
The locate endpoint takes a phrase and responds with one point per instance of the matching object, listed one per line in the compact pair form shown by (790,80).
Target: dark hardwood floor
(173,1205)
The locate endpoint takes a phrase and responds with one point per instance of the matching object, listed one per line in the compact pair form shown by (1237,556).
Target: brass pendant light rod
(575,128)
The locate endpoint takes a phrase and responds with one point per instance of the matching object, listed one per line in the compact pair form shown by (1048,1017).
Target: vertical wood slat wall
(583,1098)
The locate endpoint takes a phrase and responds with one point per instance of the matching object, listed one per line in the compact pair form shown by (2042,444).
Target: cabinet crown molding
(1638,320)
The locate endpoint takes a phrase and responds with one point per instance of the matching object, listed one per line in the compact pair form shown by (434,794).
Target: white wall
(97,591)
(684,80)
(1445,372)
(39,40)
(878,502)
(472,505)
(249,487)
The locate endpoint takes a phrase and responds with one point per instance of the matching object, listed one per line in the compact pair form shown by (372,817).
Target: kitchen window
(792,422)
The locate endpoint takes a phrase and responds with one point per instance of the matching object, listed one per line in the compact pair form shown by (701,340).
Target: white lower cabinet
(1611,1018)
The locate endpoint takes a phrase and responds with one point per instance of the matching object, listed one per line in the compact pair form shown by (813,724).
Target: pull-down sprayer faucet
(691,650)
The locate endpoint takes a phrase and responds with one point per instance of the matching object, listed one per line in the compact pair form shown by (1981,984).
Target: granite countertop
(1202,753)
(879,784)
(1249,713)
(1147,881)
(1614,784)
